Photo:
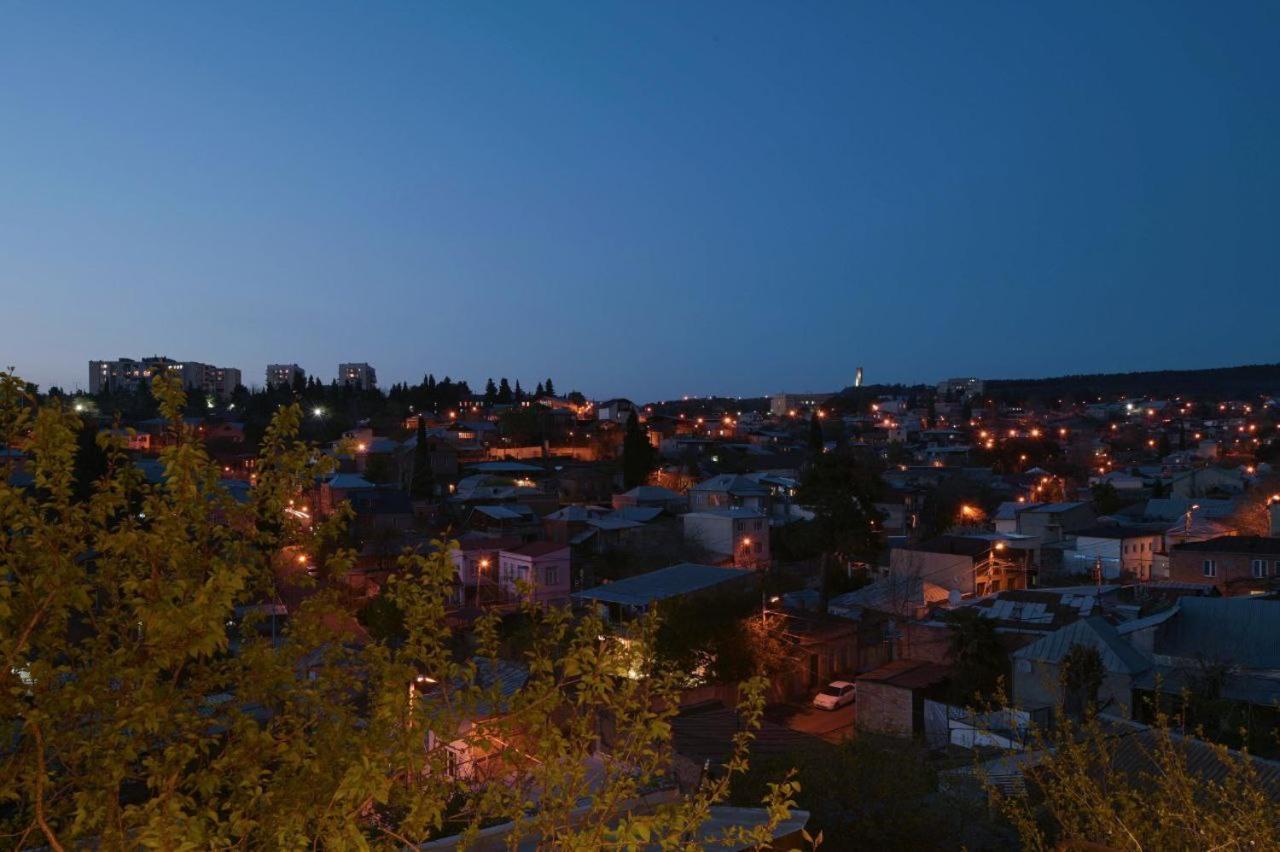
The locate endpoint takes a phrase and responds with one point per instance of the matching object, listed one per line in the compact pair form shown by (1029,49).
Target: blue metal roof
(670,582)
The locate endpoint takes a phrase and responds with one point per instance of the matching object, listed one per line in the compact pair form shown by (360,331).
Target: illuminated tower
(857,378)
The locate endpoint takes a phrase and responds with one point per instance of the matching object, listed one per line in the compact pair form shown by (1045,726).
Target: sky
(641,199)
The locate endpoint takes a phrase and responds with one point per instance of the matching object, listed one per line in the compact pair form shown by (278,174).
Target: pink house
(544,565)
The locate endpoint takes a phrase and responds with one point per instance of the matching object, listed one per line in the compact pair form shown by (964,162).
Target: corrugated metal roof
(733,484)
(1093,632)
(1244,631)
(669,582)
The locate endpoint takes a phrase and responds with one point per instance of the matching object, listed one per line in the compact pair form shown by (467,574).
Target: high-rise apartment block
(128,373)
(358,375)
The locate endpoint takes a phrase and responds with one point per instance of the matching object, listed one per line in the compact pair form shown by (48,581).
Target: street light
(1186,524)
(317,411)
(764,611)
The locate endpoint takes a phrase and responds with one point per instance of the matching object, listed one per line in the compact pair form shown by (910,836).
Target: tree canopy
(150,705)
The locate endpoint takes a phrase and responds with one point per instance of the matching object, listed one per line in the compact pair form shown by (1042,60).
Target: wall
(1039,686)
(722,536)
(883,709)
(951,571)
(1235,570)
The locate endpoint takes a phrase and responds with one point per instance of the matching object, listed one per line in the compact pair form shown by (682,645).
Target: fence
(1007,728)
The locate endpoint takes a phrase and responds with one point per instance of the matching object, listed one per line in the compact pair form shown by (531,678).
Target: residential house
(475,565)
(1236,564)
(338,488)
(1207,482)
(891,698)
(977,564)
(617,410)
(1038,667)
(729,491)
(471,757)
(1226,642)
(625,599)
(738,536)
(1050,522)
(500,521)
(565,525)
(653,496)
(545,566)
(1120,551)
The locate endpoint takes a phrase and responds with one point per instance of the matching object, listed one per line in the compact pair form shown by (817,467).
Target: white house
(543,565)
(1121,551)
(739,536)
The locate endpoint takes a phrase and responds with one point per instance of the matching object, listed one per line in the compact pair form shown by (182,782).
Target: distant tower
(857,378)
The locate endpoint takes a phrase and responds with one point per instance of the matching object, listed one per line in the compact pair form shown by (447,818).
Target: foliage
(1083,792)
(383,619)
(524,426)
(379,468)
(841,489)
(979,660)
(637,454)
(1250,516)
(1106,499)
(867,792)
(708,635)
(1081,676)
(941,509)
(136,722)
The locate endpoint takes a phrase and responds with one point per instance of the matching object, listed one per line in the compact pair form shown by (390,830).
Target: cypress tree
(637,454)
(422,486)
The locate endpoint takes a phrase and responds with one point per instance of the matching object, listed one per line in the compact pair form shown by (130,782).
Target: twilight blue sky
(646,199)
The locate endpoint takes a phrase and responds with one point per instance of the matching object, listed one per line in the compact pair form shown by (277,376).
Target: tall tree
(637,454)
(551,389)
(490,391)
(816,441)
(841,490)
(423,484)
(504,391)
(979,661)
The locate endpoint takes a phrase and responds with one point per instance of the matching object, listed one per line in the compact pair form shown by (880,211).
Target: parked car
(834,695)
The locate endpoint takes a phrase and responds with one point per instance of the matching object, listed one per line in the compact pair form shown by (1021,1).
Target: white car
(835,695)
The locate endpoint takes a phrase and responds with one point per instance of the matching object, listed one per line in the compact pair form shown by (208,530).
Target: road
(831,725)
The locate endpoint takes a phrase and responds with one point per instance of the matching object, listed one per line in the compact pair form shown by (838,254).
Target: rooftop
(907,674)
(1094,632)
(671,582)
(1246,544)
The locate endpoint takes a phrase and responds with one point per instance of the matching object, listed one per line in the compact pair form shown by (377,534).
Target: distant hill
(1220,382)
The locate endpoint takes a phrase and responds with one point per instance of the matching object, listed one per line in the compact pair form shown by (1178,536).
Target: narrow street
(831,725)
